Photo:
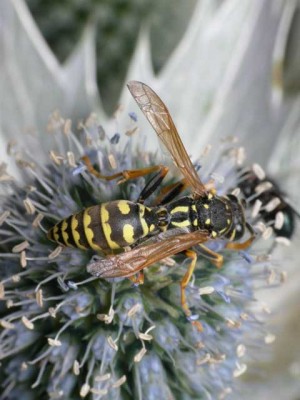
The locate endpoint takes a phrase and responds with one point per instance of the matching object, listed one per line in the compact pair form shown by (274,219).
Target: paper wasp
(171,226)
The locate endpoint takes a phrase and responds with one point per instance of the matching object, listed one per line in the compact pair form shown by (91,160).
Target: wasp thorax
(220,215)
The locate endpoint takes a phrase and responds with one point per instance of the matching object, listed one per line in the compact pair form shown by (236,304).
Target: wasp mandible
(172,225)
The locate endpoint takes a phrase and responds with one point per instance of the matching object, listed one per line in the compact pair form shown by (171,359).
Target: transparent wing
(130,262)
(159,117)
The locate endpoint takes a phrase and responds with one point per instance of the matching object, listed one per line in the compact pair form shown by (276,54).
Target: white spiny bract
(67,335)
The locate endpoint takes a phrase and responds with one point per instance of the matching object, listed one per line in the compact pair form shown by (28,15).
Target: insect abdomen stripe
(111,225)
(78,231)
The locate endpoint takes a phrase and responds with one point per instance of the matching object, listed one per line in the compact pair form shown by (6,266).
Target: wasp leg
(213,257)
(124,175)
(183,284)
(153,183)
(244,245)
(137,279)
(169,192)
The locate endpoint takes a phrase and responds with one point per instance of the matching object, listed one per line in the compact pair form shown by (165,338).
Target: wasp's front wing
(129,263)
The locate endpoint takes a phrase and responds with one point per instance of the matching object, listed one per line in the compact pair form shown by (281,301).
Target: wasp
(174,224)
(272,200)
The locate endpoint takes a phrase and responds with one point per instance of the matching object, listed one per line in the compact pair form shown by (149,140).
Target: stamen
(48,279)
(107,318)
(270,338)
(42,368)
(30,209)
(283,240)
(99,392)
(4,216)
(138,357)
(241,350)
(6,324)
(56,158)
(37,222)
(85,389)
(146,336)
(259,172)
(42,181)
(256,208)
(240,370)
(20,247)
(240,156)
(273,204)
(67,127)
(54,343)
(102,378)
(86,354)
(41,316)
(135,309)
(39,358)
(2,291)
(279,220)
(236,192)
(203,360)
(23,260)
(71,159)
(131,132)
(267,233)
(39,297)
(120,382)
(55,253)
(76,368)
(263,187)
(112,161)
(29,325)
(112,343)
(206,290)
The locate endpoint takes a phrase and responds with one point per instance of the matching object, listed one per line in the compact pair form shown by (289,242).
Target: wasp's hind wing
(159,117)
(130,262)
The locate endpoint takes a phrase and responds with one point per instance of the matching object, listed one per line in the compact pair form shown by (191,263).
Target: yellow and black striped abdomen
(112,225)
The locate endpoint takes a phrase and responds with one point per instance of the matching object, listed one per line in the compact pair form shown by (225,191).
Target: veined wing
(159,117)
(130,262)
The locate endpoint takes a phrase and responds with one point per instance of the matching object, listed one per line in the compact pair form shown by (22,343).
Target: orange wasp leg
(138,279)
(183,284)
(244,245)
(215,258)
(126,174)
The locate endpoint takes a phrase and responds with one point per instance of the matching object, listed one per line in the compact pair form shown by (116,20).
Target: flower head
(67,334)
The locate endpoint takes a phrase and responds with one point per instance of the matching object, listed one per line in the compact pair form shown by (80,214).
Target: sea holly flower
(227,94)
(66,334)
